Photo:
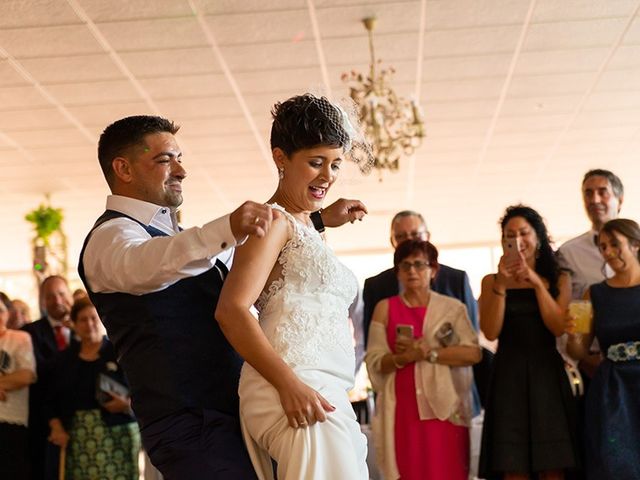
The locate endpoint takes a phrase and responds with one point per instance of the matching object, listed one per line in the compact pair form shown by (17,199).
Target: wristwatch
(433,356)
(316,219)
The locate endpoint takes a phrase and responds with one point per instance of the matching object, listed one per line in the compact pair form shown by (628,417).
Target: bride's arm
(252,265)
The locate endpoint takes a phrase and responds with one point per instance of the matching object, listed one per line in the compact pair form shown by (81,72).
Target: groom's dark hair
(126,133)
(306,121)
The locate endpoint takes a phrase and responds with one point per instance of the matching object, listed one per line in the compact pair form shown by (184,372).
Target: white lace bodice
(304,313)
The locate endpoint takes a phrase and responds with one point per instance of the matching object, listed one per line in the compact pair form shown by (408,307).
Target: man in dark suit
(449,281)
(410,225)
(49,335)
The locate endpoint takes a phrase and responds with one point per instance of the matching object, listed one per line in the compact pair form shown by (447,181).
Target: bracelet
(396,364)
(493,287)
(498,292)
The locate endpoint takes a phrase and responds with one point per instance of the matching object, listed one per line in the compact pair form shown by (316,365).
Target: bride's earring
(280,173)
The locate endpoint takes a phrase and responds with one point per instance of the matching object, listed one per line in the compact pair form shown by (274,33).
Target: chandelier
(393,126)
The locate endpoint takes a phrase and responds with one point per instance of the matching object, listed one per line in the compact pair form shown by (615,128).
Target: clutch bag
(446,335)
(107,385)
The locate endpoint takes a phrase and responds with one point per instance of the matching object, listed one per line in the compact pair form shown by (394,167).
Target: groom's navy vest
(169,343)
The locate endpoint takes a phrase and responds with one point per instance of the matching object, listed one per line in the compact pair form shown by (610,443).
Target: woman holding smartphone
(421,346)
(529,420)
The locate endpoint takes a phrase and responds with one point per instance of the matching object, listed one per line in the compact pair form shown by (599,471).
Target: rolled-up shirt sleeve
(121,256)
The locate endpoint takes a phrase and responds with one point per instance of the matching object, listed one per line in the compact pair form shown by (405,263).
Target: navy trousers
(198,445)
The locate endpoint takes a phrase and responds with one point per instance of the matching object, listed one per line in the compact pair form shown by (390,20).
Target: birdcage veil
(343,115)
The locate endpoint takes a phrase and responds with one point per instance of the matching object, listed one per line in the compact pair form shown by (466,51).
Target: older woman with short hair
(421,347)
(88,406)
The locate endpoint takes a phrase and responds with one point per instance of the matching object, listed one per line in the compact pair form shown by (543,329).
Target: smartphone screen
(404,331)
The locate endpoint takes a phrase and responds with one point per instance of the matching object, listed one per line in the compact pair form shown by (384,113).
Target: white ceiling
(520,97)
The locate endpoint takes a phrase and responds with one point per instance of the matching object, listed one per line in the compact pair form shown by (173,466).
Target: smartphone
(404,331)
(511,248)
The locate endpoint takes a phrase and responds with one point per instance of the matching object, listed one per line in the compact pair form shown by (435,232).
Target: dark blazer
(42,453)
(44,349)
(61,389)
(449,281)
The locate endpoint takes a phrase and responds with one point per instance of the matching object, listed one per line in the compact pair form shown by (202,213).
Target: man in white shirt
(602,193)
(156,287)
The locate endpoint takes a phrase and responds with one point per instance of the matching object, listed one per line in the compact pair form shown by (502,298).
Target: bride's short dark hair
(306,121)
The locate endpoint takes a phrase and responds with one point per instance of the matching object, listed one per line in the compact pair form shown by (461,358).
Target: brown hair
(78,306)
(625,227)
(410,247)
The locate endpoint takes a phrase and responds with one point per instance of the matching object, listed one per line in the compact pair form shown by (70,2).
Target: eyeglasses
(415,235)
(418,265)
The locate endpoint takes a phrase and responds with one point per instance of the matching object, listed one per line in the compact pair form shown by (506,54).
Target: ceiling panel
(36,13)
(549,119)
(472,41)
(116,10)
(9,77)
(271,56)
(346,20)
(12,98)
(554,11)
(575,35)
(80,68)
(161,33)
(186,85)
(118,91)
(262,27)
(31,119)
(170,62)
(63,40)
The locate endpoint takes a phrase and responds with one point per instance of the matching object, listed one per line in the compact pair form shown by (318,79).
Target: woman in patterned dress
(95,425)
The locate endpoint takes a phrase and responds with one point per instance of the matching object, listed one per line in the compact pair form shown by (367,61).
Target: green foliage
(46,220)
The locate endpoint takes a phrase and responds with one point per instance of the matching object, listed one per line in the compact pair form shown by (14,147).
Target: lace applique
(305,312)
(307,333)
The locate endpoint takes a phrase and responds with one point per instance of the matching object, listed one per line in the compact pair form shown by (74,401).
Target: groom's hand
(251,218)
(342,211)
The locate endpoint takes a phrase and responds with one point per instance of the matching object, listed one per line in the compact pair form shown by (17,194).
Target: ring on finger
(256,220)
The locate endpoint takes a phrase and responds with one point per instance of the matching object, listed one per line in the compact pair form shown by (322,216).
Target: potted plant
(49,242)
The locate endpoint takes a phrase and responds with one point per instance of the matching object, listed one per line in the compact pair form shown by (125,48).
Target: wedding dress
(304,315)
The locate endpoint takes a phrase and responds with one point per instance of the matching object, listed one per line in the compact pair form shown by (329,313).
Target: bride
(299,357)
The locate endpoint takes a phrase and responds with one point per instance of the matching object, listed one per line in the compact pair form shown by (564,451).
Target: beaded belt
(623,352)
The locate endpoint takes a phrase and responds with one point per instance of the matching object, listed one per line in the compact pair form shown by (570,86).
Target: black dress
(529,422)
(613,401)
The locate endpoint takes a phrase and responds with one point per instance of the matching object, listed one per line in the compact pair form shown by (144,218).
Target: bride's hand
(303,406)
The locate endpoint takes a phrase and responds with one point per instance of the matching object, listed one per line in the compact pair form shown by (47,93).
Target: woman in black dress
(612,420)
(529,420)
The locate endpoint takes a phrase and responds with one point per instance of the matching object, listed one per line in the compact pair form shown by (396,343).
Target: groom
(156,286)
